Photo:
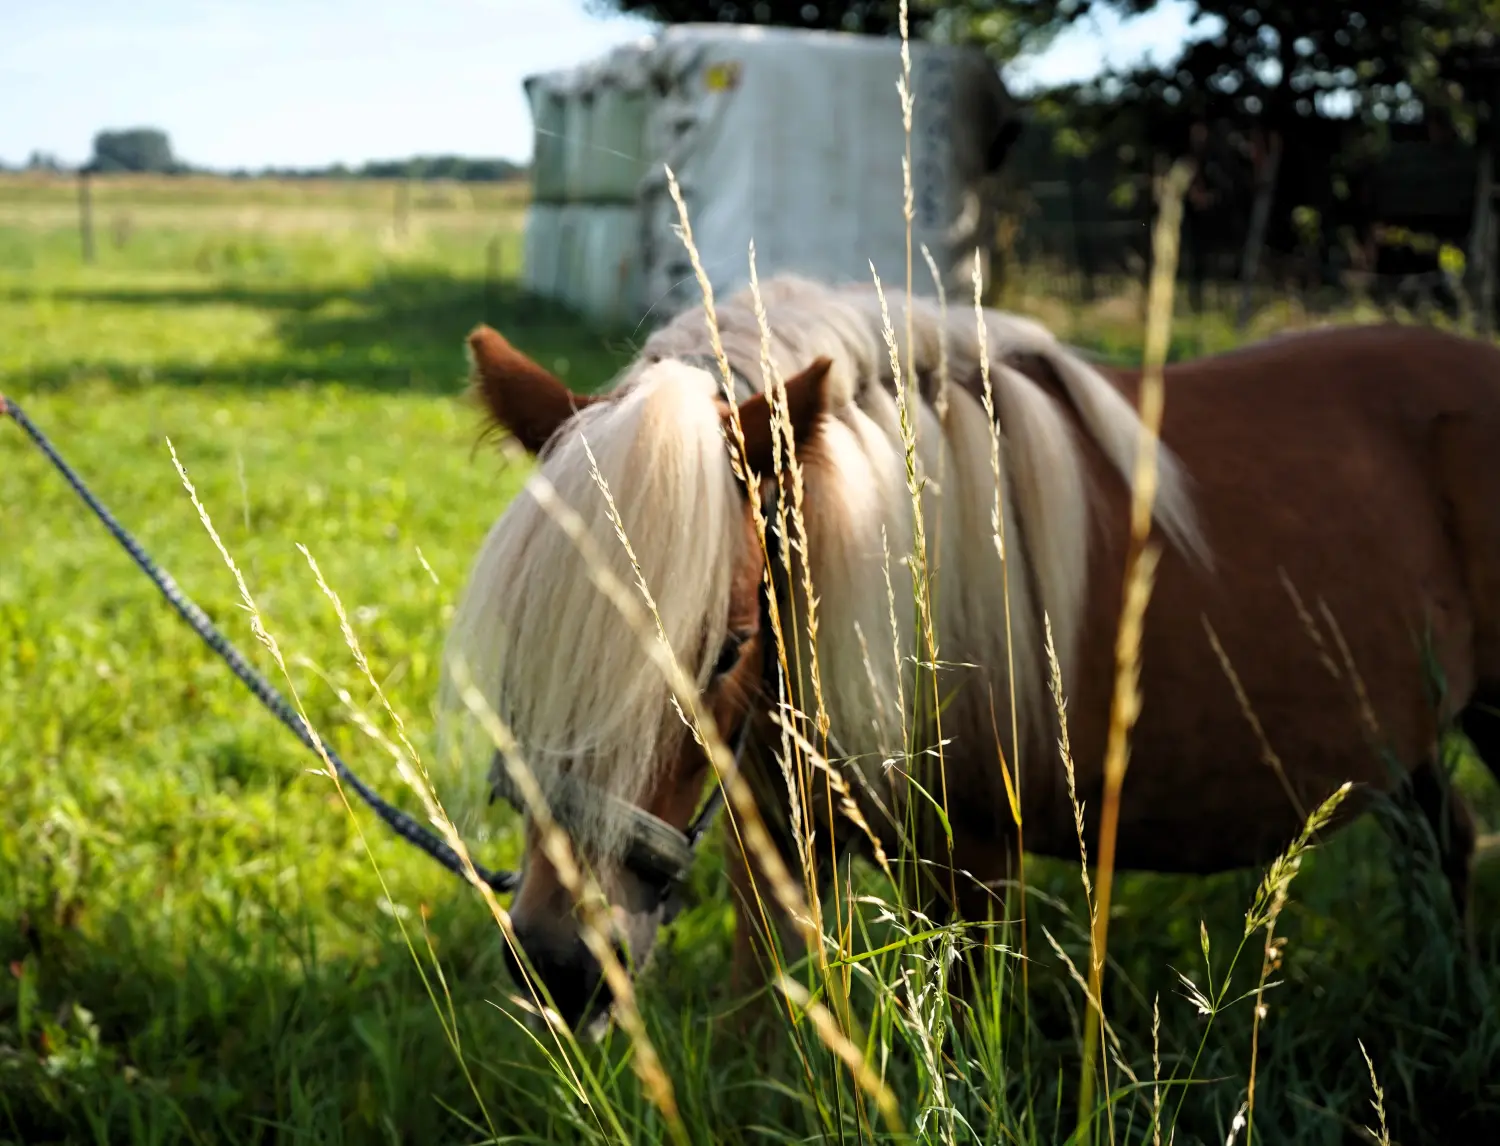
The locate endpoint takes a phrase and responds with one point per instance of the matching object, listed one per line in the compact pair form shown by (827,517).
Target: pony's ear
(519,396)
(806,397)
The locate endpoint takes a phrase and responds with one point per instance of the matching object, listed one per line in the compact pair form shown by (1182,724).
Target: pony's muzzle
(571,974)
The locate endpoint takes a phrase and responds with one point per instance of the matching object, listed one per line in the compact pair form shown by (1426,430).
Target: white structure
(791,138)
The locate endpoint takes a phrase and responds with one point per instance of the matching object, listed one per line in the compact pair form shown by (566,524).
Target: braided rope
(402,824)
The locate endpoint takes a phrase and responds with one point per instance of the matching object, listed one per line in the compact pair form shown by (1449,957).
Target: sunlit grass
(197,943)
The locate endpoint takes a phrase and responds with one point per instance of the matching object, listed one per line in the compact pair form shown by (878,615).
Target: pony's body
(1329,512)
(1347,484)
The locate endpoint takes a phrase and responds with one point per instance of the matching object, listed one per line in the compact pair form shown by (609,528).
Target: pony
(1329,516)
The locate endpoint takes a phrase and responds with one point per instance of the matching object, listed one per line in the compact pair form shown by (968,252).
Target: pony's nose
(571,974)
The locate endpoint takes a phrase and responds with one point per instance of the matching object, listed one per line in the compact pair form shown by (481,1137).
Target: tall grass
(906,1003)
(867,1039)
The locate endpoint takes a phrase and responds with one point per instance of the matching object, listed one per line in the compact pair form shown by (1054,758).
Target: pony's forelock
(549,652)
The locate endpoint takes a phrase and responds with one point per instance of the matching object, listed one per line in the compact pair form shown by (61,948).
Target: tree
(1002,27)
(1311,93)
(870,17)
(43,161)
(144,149)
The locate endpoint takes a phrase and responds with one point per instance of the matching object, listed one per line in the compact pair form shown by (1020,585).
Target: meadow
(202,942)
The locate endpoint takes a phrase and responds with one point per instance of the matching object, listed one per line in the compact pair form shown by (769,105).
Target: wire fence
(1086,263)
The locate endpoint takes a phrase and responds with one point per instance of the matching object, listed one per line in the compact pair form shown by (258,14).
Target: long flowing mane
(568,675)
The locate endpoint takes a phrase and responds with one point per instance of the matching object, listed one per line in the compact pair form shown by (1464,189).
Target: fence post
(402,207)
(491,275)
(1482,235)
(1083,250)
(1260,216)
(86,213)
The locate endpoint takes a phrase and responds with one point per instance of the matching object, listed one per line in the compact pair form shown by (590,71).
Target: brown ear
(806,395)
(520,396)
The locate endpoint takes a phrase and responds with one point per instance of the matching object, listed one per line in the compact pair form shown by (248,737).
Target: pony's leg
(1453,827)
(1480,722)
(986,912)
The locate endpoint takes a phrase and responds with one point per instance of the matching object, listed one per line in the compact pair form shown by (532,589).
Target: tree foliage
(871,17)
(1281,61)
(1272,61)
(1000,26)
(137,149)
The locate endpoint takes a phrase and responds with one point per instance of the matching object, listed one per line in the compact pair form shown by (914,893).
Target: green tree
(134,149)
(1323,83)
(871,17)
(1276,61)
(1003,27)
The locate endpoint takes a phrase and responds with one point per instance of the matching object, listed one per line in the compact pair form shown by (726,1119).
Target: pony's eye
(729,654)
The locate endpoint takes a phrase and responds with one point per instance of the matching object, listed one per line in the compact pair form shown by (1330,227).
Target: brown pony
(1330,508)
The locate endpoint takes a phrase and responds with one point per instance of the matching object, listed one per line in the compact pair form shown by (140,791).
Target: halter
(656,850)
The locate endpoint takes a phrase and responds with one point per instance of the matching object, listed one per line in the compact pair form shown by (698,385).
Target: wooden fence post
(402,208)
(1260,217)
(492,268)
(1482,232)
(86,214)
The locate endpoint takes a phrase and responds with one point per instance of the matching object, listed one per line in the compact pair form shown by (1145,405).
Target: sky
(301,83)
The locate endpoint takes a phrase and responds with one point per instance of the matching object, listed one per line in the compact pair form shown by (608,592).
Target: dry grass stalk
(1265,909)
(942,381)
(789,651)
(939,399)
(789,465)
(1156,1070)
(920,573)
(1356,679)
(593,907)
(836,1041)
(407,772)
(840,787)
(555,843)
(997,525)
(1268,754)
(908,194)
(805,910)
(1308,623)
(448,1021)
(1010,770)
(362,662)
(806,915)
(1139,574)
(745,815)
(1383,1136)
(1066,751)
(890,597)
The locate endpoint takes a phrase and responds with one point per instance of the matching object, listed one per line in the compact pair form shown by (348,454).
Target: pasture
(202,943)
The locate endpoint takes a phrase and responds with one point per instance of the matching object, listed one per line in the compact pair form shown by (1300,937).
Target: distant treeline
(146,150)
(455,167)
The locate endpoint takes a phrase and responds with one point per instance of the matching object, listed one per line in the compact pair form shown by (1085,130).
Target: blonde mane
(551,654)
(569,677)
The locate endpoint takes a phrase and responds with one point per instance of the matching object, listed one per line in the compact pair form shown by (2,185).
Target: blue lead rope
(402,824)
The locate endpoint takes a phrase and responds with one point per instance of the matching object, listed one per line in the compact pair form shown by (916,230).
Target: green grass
(195,942)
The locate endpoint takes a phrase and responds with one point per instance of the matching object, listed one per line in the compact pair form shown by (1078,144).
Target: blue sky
(307,82)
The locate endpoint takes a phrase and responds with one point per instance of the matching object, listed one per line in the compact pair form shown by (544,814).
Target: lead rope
(402,824)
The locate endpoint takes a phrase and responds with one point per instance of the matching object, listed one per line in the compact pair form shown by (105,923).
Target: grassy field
(200,943)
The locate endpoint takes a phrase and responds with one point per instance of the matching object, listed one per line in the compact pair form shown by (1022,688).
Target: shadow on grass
(404,331)
(240,1026)
(253,1035)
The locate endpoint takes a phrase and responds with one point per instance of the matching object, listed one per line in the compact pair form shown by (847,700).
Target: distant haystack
(792,138)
